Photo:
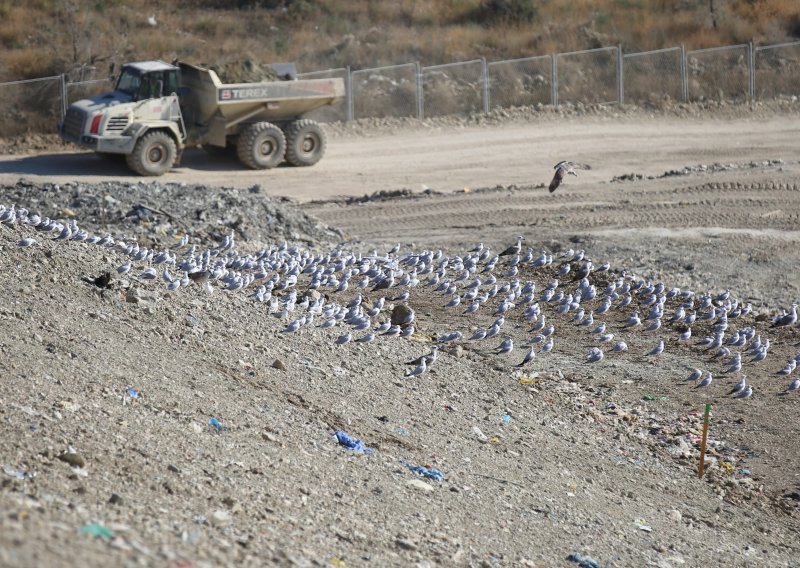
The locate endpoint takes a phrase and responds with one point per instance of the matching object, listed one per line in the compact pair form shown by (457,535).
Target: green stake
(703,442)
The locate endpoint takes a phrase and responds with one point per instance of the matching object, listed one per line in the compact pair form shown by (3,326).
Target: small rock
(278,364)
(115,499)
(74,459)
(402,314)
(419,484)
(405,544)
(675,515)
(221,518)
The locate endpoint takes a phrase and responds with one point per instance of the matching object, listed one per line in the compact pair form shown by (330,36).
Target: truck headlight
(95,129)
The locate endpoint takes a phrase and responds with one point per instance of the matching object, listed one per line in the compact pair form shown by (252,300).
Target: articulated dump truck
(156,110)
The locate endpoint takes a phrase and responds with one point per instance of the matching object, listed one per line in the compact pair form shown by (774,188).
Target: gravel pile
(156,213)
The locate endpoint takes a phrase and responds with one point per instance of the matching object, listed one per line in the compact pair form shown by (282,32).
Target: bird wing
(578,166)
(556,181)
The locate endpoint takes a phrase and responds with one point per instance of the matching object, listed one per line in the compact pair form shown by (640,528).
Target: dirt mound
(245,71)
(156,214)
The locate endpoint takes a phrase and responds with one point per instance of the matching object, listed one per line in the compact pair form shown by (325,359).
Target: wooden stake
(701,468)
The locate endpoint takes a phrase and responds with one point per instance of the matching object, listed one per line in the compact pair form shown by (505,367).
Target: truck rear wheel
(261,146)
(305,143)
(153,155)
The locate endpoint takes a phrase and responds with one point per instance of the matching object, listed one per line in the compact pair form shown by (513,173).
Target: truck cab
(149,80)
(144,102)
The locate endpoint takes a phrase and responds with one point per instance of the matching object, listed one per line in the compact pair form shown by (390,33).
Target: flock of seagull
(368,297)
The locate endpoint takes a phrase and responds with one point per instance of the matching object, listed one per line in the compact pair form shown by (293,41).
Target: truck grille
(73,124)
(117,124)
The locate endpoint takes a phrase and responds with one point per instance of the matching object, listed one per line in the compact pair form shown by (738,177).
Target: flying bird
(563,168)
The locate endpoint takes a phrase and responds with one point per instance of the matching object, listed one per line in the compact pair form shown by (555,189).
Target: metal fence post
(485,89)
(420,102)
(751,75)
(684,79)
(620,77)
(62,92)
(554,80)
(348,85)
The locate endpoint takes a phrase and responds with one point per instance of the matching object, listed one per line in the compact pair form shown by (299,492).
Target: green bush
(509,12)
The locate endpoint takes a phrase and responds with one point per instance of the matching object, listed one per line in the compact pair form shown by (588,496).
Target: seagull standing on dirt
(531,356)
(418,370)
(594,355)
(563,168)
(694,375)
(793,386)
(657,350)
(786,319)
(513,249)
(705,382)
(739,387)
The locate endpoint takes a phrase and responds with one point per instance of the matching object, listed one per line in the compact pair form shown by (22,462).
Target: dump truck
(158,109)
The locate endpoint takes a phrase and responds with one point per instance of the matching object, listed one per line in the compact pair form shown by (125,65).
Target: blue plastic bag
(353,444)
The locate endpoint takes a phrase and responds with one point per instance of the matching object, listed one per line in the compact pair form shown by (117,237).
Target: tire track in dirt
(710,205)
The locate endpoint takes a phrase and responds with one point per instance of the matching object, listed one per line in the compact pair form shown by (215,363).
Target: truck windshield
(129,82)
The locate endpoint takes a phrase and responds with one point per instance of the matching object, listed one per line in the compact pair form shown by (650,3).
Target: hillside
(83,37)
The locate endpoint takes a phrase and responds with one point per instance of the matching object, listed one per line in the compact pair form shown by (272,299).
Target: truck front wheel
(305,143)
(153,155)
(261,146)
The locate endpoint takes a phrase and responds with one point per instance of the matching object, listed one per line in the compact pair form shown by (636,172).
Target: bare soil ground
(558,457)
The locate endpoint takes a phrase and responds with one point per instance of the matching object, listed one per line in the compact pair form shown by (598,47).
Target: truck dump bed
(213,101)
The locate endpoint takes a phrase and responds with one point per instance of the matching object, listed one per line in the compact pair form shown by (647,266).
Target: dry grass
(318,34)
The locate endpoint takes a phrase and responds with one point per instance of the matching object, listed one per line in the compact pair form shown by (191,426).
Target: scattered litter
(745,472)
(96,530)
(583,561)
(645,528)
(506,419)
(216,424)
(655,397)
(352,443)
(18,473)
(479,434)
(133,393)
(429,472)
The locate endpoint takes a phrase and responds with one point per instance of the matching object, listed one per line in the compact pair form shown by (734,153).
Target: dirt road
(448,159)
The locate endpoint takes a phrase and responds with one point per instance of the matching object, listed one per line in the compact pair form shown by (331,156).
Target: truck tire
(153,155)
(305,143)
(261,146)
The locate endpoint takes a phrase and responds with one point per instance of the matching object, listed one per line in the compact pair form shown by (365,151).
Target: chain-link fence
(386,91)
(653,77)
(777,70)
(597,76)
(521,82)
(86,89)
(588,77)
(454,88)
(720,73)
(34,105)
